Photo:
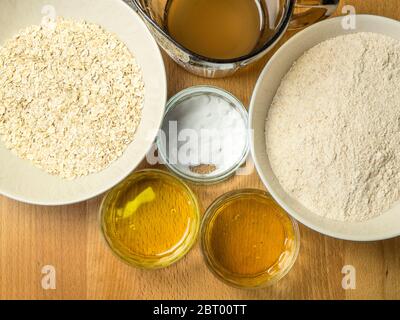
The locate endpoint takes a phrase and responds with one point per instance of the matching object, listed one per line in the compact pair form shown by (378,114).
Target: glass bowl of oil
(247,240)
(150,220)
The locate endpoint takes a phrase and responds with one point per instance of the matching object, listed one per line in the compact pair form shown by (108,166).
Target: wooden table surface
(69,239)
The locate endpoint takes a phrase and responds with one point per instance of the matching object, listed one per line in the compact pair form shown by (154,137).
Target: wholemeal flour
(333,129)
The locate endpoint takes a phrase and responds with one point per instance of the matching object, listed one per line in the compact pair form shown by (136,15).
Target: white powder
(333,130)
(209,131)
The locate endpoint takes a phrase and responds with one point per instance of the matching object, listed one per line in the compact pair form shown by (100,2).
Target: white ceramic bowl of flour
(21,180)
(386,225)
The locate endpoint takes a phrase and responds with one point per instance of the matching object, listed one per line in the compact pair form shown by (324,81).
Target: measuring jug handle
(312,11)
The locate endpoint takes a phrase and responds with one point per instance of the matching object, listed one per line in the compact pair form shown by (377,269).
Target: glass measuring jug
(280,15)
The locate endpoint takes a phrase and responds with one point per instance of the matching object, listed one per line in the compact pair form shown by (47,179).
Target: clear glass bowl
(255,281)
(162,145)
(119,248)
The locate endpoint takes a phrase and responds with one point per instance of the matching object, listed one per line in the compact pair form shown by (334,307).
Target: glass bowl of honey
(247,240)
(150,220)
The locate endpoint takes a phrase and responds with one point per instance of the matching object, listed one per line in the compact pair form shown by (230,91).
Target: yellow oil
(151,219)
(249,240)
(220,29)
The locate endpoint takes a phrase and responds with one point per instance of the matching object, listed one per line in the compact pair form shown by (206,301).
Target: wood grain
(69,238)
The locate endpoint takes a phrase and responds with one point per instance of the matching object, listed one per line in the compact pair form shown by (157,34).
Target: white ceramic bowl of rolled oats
(83,92)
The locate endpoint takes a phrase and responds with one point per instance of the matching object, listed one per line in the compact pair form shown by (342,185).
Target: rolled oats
(70,97)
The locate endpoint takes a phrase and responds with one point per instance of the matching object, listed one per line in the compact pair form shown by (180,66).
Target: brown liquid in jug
(219,29)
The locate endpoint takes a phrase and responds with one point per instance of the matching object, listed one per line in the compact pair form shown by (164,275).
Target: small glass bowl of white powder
(204,136)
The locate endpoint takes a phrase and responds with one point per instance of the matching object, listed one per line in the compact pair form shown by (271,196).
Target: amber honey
(248,240)
(219,29)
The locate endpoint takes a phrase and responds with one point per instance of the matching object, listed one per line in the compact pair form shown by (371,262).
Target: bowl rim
(265,180)
(111,183)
